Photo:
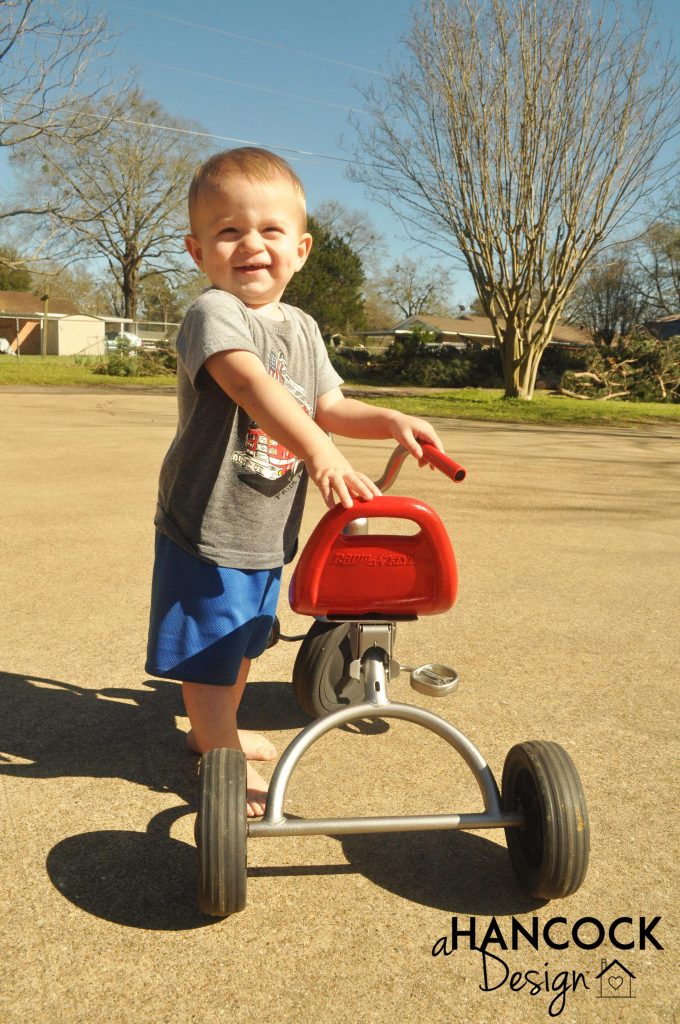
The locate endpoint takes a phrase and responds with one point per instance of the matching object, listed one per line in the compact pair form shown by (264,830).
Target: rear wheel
(321,679)
(549,851)
(221,831)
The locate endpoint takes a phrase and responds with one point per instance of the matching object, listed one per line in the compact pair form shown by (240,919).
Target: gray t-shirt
(228,493)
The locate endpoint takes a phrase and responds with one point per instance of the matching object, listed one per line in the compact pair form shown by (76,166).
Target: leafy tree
(518,137)
(329,286)
(122,197)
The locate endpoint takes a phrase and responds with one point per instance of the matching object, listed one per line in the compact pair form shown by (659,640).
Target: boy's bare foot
(256,793)
(254,746)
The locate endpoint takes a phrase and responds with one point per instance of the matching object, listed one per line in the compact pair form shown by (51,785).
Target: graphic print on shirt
(264,464)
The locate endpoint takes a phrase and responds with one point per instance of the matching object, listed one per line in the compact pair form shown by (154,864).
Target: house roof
(664,327)
(29,304)
(469,325)
(609,967)
(673,318)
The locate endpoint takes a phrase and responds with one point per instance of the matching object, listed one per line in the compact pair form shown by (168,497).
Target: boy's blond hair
(250,162)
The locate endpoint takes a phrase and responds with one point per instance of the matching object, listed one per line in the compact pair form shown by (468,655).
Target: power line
(299,153)
(302,155)
(245,85)
(247,39)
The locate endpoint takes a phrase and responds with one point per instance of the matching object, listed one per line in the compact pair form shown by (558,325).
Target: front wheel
(321,679)
(221,832)
(549,851)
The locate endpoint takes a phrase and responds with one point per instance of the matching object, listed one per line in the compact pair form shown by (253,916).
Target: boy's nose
(250,242)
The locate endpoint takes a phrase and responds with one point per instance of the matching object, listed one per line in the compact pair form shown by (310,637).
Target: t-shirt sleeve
(327,376)
(217,322)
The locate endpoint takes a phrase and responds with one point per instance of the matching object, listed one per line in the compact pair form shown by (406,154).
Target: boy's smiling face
(248,238)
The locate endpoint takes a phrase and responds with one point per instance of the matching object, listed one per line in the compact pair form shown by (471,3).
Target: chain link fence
(79,335)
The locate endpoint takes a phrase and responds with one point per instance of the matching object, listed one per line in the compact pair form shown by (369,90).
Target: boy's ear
(193,247)
(304,246)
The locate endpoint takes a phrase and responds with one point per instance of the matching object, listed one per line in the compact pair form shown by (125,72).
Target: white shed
(75,334)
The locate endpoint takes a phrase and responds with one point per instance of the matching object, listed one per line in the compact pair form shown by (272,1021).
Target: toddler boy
(257,397)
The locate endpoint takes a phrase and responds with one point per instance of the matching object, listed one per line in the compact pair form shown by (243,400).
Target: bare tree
(354,227)
(412,288)
(659,257)
(519,136)
(122,197)
(51,58)
(86,291)
(609,298)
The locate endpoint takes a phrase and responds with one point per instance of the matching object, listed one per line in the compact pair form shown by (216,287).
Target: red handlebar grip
(442,462)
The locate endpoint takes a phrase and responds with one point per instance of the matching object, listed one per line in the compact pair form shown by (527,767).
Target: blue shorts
(205,618)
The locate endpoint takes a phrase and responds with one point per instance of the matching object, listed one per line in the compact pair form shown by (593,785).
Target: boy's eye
(273,230)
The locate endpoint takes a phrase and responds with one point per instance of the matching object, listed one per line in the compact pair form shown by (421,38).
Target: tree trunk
(513,364)
(521,359)
(131,290)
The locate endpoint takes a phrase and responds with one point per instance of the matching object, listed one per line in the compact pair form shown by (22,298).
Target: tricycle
(358,585)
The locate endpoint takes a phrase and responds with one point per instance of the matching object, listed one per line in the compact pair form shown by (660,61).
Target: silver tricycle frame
(374,663)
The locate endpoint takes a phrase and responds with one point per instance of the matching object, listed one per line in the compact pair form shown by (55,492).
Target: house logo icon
(616,981)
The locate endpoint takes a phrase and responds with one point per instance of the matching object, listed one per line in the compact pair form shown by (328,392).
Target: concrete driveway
(566,628)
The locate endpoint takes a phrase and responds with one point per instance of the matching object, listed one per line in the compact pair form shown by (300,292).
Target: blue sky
(279,74)
(282,75)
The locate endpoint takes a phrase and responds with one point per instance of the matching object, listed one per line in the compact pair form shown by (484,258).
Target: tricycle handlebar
(436,458)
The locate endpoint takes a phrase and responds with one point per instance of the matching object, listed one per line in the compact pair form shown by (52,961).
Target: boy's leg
(212,714)
(253,745)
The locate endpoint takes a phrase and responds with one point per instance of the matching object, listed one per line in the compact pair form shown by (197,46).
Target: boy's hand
(332,474)
(410,430)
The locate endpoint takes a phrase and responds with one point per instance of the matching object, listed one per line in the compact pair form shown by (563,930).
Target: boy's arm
(351,418)
(243,377)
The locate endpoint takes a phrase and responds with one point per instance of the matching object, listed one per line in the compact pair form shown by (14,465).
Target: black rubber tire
(321,680)
(274,633)
(221,832)
(549,852)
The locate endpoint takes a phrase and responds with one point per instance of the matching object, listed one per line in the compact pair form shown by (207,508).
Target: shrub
(142,363)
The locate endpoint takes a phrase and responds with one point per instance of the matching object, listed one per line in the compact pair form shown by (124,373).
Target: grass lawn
(64,371)
(459,403)
(545,407)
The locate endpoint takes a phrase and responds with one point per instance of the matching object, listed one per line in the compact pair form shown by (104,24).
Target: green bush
(417,360)
(144,363)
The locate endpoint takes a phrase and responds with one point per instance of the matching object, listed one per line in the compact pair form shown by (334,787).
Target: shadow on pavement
(459,872)
(54,729)
(138,879)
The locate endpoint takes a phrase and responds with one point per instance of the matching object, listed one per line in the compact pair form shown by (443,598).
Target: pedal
(434,680)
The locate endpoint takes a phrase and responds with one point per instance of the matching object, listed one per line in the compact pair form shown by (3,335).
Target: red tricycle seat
(386,575)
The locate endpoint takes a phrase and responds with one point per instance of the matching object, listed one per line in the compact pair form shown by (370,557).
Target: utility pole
(45,299)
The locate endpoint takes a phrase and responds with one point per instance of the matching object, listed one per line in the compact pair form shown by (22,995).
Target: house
(24,317)
(615,980)
(468,328)
(665,327)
